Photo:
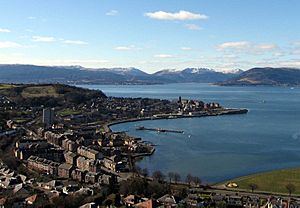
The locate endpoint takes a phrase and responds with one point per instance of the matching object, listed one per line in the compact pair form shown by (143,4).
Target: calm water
(220,148)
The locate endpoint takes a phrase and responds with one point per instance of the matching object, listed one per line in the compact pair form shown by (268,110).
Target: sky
(151,34)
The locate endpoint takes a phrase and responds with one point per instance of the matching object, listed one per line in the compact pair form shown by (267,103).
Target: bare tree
(197,180)
(158,175)
(253,186)
(189,179)
(291,188)
(171,176)
(176,177)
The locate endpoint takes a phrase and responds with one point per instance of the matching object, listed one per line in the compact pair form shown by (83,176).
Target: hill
(48,94)
(266,76)
(80,75)
(200,75)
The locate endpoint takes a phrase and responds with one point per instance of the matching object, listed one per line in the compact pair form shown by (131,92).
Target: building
(88,164)
(69,145)
(48,116)
(70,158)
(65,170)
(89,153)
(43,165)
(113,163)
(92,178)
(79,175)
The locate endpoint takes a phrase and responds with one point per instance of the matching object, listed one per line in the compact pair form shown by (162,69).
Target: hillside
(266,76)
(48,94)
(200,75)
(80,75)
(70,75)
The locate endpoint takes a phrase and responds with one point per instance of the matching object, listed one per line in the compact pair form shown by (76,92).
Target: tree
(197,181)
(176,177)
(189,179)
(145,172)
(253,186)
(291,188)
(158,175)
(171,176)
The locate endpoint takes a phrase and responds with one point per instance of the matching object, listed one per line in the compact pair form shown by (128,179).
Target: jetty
(159,130)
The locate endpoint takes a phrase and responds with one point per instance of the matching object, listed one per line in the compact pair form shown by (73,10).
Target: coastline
(227,111)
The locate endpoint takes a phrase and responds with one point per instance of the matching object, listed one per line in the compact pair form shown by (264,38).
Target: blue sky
(151,35)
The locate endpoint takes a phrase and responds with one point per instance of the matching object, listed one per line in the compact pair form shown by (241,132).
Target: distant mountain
(72,75)
(266,76)
(201,75)
(81,75)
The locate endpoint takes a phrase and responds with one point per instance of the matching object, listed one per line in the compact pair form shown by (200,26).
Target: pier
(159,130)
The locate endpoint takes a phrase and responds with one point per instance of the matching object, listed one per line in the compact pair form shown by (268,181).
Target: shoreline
(228,111)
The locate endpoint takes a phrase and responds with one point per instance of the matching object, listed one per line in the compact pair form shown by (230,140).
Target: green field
(6,86)
(39,91)
(68,112)
(274,181)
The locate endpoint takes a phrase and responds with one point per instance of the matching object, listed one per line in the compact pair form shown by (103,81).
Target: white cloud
(43,39)
(31,18)
(9,44)
(181,15)
(126,48)
(122,48)
(163,56)
(112,13)
(193,27)
(4,30)
(75,42)
(234,45)
(266,46)
(186,48)
(247,47)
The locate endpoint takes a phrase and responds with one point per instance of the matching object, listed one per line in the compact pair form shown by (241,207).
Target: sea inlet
(222,147)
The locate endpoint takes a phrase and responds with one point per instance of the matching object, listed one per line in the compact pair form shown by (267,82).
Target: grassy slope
(6,86)
(274,181)
(48,94)
(37,91)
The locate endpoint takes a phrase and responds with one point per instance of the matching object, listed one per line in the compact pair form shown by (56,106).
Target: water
(224,147)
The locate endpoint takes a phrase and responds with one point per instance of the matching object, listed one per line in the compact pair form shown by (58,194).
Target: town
(57,150)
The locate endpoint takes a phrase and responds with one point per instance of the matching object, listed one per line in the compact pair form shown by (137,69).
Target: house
(70,189)
(88,164)
(70,158)
(43,165)
(54,184)
(69,145)
(89,153)
(92,177)
(65,170)
(25,143)
(145,204)
(168,201)
(9,182)
(113,163)
(79,175)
